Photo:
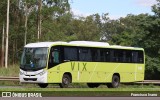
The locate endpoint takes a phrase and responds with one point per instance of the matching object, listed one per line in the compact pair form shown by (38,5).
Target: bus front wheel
(115,82)
(66,80)
(43,85)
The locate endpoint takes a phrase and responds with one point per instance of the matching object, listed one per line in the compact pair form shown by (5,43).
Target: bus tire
(93,85)
(42,85)
(66,80)
(115,82)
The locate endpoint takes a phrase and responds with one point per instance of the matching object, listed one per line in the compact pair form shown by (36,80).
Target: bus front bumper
(33,77)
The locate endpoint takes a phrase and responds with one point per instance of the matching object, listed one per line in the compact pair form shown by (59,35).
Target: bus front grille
(31,79)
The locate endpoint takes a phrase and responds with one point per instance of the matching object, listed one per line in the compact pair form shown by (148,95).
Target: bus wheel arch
(66,80)
(115,81)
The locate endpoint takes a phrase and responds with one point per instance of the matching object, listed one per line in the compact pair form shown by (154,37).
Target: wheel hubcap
(65,80)
(116,81)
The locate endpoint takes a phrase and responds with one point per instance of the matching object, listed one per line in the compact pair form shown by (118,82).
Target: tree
(39,19)
(7,31)
(2,30)
(2,51)
(156,8)
(27,7)
(87,29)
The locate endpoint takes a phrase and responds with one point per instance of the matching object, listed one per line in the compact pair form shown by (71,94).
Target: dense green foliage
(60,24)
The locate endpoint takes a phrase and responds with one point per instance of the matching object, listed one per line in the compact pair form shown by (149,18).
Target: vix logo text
(78,66)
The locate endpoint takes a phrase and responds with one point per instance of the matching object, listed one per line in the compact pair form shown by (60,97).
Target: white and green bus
(88,62)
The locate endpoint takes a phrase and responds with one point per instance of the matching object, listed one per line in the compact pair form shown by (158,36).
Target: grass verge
(11,71)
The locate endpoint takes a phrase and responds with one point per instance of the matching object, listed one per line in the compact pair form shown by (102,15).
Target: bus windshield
(34,58)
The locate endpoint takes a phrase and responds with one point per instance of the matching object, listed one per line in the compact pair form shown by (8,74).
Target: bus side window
(70,54)
(85,54)
(137,57)
(102,55)
(111,55)
(134,57)
(114,56)
(128,56)
(140,57)
(120,55)
(95,54)
(107,56)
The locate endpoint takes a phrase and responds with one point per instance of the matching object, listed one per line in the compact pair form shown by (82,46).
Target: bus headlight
(21,73)
(42,73)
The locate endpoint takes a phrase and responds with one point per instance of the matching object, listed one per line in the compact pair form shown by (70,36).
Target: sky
(115,8)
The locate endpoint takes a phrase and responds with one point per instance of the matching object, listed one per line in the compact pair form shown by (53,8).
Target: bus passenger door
(53,65)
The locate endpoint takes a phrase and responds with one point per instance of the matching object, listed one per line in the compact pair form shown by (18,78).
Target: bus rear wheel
(115,82)
(93,85)
(42,85)
(66,80)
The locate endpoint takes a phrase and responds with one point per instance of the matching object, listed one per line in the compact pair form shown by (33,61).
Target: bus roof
(43,44)
(78,43)
(88,43)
